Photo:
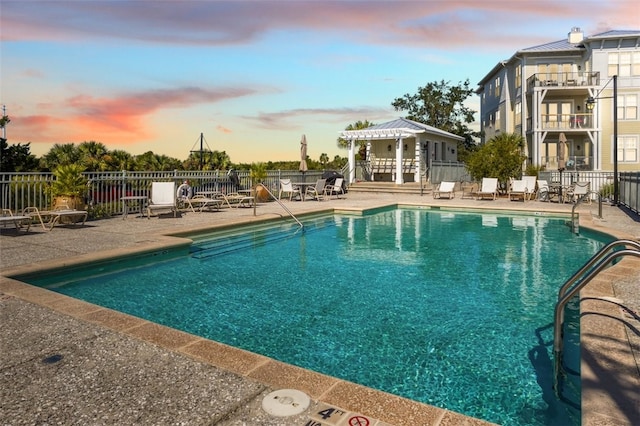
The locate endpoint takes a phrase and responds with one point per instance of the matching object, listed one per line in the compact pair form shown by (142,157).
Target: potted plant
(258,173)
(69,187)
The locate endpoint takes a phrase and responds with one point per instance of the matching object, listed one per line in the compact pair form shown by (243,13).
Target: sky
(253,76)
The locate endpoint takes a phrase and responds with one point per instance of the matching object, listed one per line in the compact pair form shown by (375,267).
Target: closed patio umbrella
(562,141)
(303,154)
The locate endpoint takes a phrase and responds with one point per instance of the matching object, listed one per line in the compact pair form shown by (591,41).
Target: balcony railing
(573,163)
(563,79)
(562,122)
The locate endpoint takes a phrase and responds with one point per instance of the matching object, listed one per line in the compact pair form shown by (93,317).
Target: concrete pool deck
(71,362)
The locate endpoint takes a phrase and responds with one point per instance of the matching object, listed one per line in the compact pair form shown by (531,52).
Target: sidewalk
(67,361)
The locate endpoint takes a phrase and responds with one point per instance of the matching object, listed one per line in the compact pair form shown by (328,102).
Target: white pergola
(397,130)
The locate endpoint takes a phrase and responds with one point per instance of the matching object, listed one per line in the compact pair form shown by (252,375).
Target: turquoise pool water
(449,308)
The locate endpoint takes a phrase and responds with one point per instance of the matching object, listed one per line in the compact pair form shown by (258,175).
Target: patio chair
(335,188)
(445,188)
(518,190)
(489,188)
(543,192)
(286,187)
(577,191)
(530,186)
(163,197)
(316,192)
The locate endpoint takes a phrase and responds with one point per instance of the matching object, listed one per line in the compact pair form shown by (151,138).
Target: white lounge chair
(202,202)
(163,197)
(445,188)
(335,188)
(518,190)
(489,189)
(530,186)
(317,191)
(286,187)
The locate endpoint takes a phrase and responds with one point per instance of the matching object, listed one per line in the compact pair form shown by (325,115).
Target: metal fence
(105,189)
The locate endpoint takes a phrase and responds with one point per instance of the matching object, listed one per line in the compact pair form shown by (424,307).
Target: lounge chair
(445,188)
(286,187)
(317,191)
(518,190)
(163,197)
(335,188)
(489,189)
(18,221)
(50,218)
(239,199)
(469,189)
(202,202)
(530,186)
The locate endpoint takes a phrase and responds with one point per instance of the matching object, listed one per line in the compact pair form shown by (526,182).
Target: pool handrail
(565,295)
(281,205)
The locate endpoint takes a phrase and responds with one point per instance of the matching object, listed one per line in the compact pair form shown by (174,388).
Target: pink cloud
(120,119)
(439,24)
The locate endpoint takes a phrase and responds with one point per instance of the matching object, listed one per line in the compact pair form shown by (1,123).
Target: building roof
(615,34)
(398,128)
(555,46)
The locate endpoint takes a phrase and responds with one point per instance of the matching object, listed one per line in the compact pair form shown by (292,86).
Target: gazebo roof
(398,128)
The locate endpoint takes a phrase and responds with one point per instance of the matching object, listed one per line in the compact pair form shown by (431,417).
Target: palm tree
(92,156)
(60,155)
(358,125)
(119,160)
(324,159)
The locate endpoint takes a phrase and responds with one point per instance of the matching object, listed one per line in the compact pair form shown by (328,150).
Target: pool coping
(353,397)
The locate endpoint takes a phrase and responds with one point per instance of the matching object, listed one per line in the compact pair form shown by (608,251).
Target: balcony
(563,80)
(563,122)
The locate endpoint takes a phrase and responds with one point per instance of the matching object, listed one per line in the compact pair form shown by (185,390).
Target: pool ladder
(599,261)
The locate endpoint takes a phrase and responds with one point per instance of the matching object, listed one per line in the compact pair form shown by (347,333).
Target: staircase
(390,187)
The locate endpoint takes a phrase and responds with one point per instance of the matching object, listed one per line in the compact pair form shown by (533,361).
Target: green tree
(16,158)
(324,159)
(93,156)
(501,157)
(441,105)
(60,155)
(119,159)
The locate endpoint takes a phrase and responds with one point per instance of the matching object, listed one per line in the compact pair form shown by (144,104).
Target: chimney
(576,35)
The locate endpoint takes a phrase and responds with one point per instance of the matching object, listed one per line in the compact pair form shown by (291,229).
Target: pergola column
(352,161)
(399,177)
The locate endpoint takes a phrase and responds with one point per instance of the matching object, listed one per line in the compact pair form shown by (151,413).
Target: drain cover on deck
(285,402)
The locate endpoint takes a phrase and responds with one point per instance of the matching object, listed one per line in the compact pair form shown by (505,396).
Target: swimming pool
(449,308)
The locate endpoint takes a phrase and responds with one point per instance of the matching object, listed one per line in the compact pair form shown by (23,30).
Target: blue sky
(253,76)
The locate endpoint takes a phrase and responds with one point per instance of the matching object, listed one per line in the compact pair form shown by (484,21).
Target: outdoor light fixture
(591,103)
(389,147)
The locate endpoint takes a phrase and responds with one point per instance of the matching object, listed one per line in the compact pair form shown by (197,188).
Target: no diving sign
(327,415)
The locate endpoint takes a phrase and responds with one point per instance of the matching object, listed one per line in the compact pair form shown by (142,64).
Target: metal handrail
(565,296)
(281,205)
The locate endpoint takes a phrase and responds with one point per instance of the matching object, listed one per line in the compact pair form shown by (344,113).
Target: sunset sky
(253,76)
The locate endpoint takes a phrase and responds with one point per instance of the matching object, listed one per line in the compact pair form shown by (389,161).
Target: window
(518,76)
(627,107)
(627,149)
(518,113)
(497,86)
(498,119)
(624,64)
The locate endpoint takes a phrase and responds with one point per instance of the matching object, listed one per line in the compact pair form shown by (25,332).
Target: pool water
(450,308)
